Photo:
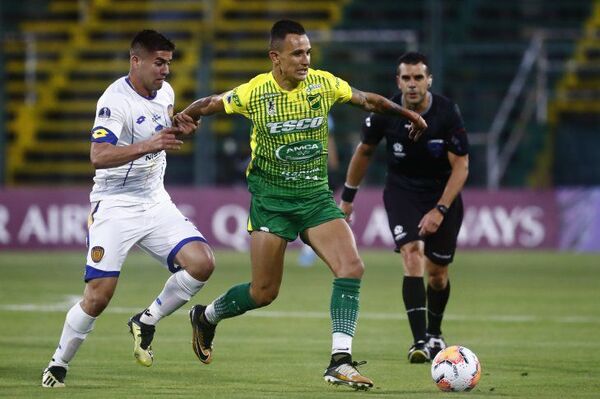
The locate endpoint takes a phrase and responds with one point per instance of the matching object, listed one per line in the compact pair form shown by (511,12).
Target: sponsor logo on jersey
(104,113)
(312,174)
(314,100)
(158,128)
(150,157)
(299,151)
(97,253)
(295,125)
(313,86)
(266,96)
(140,120)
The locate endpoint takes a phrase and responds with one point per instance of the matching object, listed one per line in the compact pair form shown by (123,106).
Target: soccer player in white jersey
(129,204)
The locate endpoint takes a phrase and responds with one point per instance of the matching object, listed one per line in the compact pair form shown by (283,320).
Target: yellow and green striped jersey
(289,131)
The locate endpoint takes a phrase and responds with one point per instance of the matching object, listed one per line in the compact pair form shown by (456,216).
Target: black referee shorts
(405,209)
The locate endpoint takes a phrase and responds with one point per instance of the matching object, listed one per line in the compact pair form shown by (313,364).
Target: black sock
(340,358)
(413,293)
(436,304)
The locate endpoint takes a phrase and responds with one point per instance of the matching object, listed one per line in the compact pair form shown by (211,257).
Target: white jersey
(124,117)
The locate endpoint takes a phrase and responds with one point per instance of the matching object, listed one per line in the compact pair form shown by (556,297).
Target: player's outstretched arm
(107,155)
(203,107)
(372,102)
(186,124)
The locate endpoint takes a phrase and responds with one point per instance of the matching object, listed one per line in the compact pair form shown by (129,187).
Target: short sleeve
(236,100)
(373,129)
(342,92)
(111,112)
(457,141)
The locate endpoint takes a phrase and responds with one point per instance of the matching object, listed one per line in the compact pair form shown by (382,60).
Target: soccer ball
(455,368)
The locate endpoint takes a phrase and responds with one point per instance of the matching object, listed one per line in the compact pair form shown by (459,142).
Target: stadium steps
(570,150)
(77,57)
(241,34)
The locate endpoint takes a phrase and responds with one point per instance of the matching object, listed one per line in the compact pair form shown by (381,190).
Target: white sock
(78,325)
(178,290)
(210,315)
(341,343)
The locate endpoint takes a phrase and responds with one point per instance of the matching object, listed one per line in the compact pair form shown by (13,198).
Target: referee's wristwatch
(443,209)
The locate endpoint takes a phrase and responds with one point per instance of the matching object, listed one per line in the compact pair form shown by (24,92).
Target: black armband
(349,193)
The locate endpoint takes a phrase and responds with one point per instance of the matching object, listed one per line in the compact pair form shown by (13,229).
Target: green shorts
(288,217)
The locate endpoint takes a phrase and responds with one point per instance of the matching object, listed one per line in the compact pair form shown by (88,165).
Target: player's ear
(274,56)
(429,81)
(134,60)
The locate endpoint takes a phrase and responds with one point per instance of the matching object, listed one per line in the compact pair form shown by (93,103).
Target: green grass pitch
(532,318)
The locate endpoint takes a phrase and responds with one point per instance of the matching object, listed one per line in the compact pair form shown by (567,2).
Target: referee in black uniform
(421,196)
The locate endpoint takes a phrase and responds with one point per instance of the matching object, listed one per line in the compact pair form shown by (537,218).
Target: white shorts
(115,226)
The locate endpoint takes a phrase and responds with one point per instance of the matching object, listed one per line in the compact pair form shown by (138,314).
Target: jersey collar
(429,96)
(151,97)
(300,86)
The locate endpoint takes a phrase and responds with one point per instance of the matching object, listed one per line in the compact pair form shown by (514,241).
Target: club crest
(314,101)
(97,253)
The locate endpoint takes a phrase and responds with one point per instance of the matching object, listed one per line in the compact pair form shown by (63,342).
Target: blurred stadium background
(526,75)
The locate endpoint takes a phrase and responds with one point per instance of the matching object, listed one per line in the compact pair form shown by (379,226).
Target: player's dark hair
(283,28)
(413,58)
(150,40)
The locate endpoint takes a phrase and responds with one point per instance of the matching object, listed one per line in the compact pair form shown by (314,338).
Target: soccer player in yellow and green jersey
(289,131)
(287,178)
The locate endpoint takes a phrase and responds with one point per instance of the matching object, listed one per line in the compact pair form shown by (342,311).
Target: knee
(94,303)
(413,258)
(201,267)
(264,295)
(437,281)
(352,268)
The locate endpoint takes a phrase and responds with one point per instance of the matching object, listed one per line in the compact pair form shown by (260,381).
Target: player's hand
(164,140)
(185,123)
(417,126)
(430,223)
(348,209)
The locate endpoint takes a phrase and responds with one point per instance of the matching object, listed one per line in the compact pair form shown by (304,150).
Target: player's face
(414,81)
(152,69)
(293,59)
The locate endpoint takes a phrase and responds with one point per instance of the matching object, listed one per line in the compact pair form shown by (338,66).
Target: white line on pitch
(277,314)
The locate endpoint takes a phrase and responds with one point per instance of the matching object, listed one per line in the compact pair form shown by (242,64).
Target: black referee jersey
(421,165)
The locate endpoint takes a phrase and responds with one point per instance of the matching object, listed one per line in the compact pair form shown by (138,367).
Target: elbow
(365,150)
(97,161)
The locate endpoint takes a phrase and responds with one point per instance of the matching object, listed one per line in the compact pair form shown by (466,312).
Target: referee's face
(414,81)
